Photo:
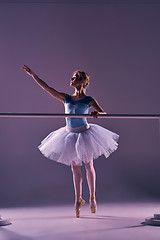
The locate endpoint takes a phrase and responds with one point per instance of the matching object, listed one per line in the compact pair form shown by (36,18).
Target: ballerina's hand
(27,69)
(94,114)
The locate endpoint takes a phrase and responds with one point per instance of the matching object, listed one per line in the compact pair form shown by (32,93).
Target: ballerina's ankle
(78,198)
(92,196)
(92,200)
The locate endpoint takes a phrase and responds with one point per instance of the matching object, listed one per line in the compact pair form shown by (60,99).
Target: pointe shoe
(93,204)
(81,202)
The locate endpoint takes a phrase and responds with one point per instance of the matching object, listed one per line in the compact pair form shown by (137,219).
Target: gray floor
(112,221)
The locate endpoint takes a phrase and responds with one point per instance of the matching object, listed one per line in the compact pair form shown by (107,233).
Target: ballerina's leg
(77,180)
(91,179)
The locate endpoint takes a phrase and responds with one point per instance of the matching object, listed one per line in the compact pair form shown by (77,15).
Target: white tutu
(65,146)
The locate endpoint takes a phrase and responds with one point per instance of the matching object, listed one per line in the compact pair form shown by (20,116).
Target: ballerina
(78,142)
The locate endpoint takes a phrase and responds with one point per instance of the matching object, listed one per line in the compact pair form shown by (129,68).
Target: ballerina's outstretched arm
(54,93)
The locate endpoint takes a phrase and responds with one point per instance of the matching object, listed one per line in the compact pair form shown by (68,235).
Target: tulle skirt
(79,144)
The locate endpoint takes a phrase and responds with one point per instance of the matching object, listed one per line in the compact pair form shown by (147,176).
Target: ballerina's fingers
(27,69)
(94,114)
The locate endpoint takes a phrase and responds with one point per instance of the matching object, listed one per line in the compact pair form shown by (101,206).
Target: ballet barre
(62,115)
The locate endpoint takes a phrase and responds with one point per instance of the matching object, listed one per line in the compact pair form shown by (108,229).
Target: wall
(118,45)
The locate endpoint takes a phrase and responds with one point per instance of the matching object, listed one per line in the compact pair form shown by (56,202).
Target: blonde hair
(84,76)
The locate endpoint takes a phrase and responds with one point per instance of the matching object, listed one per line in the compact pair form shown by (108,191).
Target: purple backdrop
(118,45)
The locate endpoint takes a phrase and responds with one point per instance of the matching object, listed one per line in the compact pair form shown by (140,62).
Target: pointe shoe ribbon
(93,205)
(78,205)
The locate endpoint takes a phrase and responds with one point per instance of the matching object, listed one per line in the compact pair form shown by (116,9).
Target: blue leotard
(76,107)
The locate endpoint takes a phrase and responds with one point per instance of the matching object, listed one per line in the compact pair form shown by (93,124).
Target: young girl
(78,141)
